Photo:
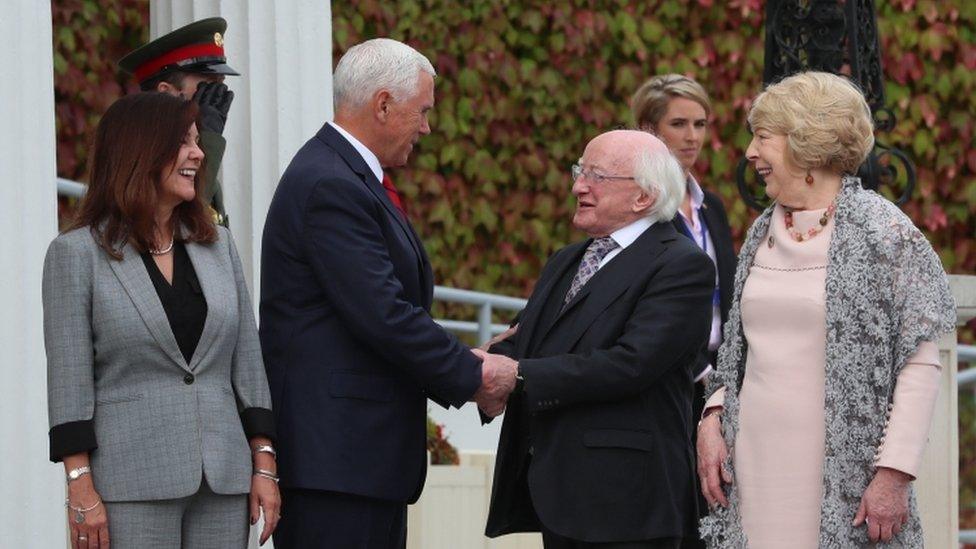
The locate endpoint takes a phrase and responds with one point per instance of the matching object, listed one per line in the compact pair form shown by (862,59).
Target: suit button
(188,379)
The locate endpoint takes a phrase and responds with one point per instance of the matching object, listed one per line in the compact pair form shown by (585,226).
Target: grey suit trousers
(204,520)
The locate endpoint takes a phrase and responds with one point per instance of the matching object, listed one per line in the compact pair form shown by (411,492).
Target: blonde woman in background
(676,109)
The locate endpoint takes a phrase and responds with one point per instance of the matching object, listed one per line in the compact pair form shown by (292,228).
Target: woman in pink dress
(828,374)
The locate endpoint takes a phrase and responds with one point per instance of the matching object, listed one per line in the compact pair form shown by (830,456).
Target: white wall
(283,50)
(32,498)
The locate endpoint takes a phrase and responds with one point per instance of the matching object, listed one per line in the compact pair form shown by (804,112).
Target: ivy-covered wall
(524,85)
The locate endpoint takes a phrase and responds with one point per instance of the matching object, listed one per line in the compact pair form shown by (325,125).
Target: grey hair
(661,176)
(377,64)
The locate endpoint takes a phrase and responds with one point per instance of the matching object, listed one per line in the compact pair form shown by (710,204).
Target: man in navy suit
(595,449)
(346,287)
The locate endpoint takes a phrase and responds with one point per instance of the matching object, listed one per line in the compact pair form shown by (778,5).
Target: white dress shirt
(625,236)
(704,240)
(368,156)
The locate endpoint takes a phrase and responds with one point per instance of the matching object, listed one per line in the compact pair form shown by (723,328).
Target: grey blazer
(118,381)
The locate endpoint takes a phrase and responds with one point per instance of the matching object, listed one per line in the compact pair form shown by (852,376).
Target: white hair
(661,176)
(378,64)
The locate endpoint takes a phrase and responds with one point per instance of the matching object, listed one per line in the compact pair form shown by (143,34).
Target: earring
(809,178)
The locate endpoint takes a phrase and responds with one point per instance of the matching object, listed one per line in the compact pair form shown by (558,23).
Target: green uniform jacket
(213,145)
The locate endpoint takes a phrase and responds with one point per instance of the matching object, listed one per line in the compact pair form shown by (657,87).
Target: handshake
(498,374)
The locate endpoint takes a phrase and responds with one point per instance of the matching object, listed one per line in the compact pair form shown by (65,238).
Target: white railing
(71,189)
(967,377)
(486,303)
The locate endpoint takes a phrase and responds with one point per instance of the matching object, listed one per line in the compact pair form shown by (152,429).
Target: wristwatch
(75,474)
(519,380)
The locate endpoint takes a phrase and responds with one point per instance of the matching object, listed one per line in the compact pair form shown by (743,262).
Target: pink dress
(779,449)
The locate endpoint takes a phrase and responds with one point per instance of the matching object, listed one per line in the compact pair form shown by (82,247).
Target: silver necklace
(166,250)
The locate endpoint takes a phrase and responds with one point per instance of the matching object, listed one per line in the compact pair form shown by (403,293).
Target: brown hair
(138,138)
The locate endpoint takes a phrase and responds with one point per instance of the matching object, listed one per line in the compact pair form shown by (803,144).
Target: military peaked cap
(197,48)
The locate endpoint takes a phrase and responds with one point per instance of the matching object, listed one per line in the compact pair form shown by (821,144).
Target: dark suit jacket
(606,401)
(714,216)
(351,350)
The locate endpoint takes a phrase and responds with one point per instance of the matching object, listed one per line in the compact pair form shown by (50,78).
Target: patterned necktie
(595,252)
(393,194)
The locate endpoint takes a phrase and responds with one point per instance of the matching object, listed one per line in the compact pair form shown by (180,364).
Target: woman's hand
(265,497)
(264,491)
(92,533)
(711,457)
(884,505)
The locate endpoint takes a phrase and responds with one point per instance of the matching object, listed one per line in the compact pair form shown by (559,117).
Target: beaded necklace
(812,232)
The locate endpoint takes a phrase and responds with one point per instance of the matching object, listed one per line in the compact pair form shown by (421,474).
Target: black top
(183,300)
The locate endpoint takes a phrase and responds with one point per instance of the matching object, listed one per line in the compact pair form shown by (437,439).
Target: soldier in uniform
(190,62)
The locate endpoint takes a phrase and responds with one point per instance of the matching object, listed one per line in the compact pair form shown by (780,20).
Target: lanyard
(685,228)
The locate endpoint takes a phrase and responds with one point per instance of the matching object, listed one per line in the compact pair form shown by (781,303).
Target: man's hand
(214,99)
(884,506)
(497,382)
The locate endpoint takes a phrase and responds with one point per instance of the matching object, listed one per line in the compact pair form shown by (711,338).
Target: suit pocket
(365,387)
(618,438)
(118,399)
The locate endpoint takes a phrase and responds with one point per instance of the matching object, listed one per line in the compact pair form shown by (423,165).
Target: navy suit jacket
(714,216)
(351,350)
(606,401)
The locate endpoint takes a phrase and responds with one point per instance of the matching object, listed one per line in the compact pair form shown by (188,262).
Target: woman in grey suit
(157,397)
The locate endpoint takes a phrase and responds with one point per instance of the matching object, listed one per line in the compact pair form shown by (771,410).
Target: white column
(32,505)
(938,480)
(284,52)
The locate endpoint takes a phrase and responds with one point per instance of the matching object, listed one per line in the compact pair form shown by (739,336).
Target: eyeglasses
(578,172)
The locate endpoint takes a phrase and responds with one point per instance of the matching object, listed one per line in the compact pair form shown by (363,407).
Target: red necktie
(393,194)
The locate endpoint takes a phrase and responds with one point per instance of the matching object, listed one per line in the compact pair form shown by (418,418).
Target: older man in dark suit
(346,287)
(595,449)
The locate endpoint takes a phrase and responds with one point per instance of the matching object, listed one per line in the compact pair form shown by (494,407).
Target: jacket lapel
(528,323)
(612,280)
(214,283)
(135,280)
(355,161)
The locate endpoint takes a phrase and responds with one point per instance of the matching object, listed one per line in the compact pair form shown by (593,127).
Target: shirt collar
(363,150)
(696,192)
(626,235)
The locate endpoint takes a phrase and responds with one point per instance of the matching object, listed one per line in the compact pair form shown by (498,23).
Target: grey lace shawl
(886,292)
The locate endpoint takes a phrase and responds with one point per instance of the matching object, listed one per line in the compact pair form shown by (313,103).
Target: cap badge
(218,39)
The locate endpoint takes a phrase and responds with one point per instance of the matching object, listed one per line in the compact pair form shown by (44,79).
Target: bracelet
(266,449)
(80,511)
(709,412)
(264,473)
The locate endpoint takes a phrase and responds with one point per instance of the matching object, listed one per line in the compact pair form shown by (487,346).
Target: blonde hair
(825,118)
(650,101)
